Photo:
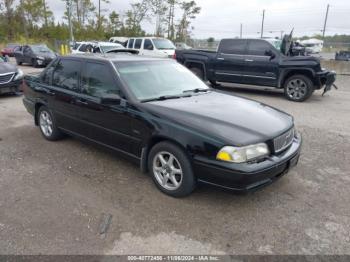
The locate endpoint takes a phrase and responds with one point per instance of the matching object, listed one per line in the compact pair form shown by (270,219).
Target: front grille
(6,78)
(283,141)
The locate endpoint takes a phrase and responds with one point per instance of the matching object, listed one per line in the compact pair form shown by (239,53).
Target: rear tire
(171,170)
(35,63)
(298,88)
(47,124)
(198,72)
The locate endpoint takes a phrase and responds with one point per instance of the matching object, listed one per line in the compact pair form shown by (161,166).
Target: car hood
(228,118)
(7,68)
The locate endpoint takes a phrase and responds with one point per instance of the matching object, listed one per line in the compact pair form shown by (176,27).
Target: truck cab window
(233,46)
(259,47)
(97,85)
(66,74)
(148,45)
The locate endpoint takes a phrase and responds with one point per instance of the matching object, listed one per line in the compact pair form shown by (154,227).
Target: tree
(134,17)
(159,9)
(7,6)
(171,16)
(190,10)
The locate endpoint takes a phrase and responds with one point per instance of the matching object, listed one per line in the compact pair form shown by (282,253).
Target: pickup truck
(259,62)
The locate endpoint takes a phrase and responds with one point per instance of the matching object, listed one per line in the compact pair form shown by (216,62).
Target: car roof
(116,57)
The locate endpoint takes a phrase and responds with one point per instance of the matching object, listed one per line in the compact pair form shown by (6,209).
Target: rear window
(233,46)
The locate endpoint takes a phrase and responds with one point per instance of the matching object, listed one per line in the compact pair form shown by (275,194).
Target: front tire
(18,62)
(48,125)
(298,88)
(171,170)
(35,63)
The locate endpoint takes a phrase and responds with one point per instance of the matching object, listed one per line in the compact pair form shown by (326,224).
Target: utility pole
(241,31)
(325,22)
(262,24)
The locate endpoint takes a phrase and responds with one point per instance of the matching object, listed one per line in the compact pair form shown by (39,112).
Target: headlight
(40,57)
(19,74)
(242,154)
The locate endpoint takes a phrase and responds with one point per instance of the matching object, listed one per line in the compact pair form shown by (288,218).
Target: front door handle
(81,102)
(50,93)
(249,60)
(221,58)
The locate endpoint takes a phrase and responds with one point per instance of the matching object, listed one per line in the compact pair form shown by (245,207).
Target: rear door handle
(249,60)
(221,58)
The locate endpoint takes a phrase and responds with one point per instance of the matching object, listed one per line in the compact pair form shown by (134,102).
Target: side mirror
(110,99)
(270,54)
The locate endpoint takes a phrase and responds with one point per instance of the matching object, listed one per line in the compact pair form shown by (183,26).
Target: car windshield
(41,49)
(163,44)
(106,48)
(155,79)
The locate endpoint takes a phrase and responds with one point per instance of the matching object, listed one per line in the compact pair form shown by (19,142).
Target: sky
(223,18)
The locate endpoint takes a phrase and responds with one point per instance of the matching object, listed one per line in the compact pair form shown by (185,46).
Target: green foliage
(31,21)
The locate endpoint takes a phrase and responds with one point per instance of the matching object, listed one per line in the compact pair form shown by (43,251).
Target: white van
(152,46)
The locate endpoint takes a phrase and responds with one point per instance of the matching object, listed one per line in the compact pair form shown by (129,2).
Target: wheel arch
(197,64)
(38,105)
(297,71)
(154,140)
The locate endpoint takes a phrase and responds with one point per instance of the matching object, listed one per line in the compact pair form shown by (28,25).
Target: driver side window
(97,85)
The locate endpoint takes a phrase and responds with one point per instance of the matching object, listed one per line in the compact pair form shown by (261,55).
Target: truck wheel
(298,88)
(35,63)
(198,72)
(171,170)
(47,124)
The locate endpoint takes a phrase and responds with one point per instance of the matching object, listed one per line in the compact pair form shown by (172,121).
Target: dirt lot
(54,197)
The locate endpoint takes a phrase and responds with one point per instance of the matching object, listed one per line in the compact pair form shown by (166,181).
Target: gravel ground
(55,197)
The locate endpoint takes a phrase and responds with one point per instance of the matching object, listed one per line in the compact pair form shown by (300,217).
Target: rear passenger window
(138,43)
(233,46)
(66,74)
(98,84)
(258,47)
(131,43)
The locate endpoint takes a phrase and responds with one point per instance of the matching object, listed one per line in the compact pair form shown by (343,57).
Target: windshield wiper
(161,98)
(197,90)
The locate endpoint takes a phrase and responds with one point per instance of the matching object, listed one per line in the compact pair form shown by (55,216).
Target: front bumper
(44,62)
(326,79)
(247,176)
(13,86)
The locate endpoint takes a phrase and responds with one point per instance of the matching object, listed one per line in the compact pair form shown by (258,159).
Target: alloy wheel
(167,170)
(46,124)
(296,89)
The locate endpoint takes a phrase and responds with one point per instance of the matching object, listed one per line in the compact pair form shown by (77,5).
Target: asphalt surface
(57,197)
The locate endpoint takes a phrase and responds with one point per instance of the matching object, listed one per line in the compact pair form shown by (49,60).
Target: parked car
(96,47)
(160,115)
(182,46)
(152,46)
(8,50)
(342,56)
(10,78)
(35,55)
(258,62)
(119,40)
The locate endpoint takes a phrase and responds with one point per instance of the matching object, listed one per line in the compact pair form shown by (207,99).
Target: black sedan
(35,55)
(160,115)
(10,78)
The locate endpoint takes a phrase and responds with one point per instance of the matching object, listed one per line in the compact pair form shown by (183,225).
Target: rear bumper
(247,177)
(29,105)
(14,86)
